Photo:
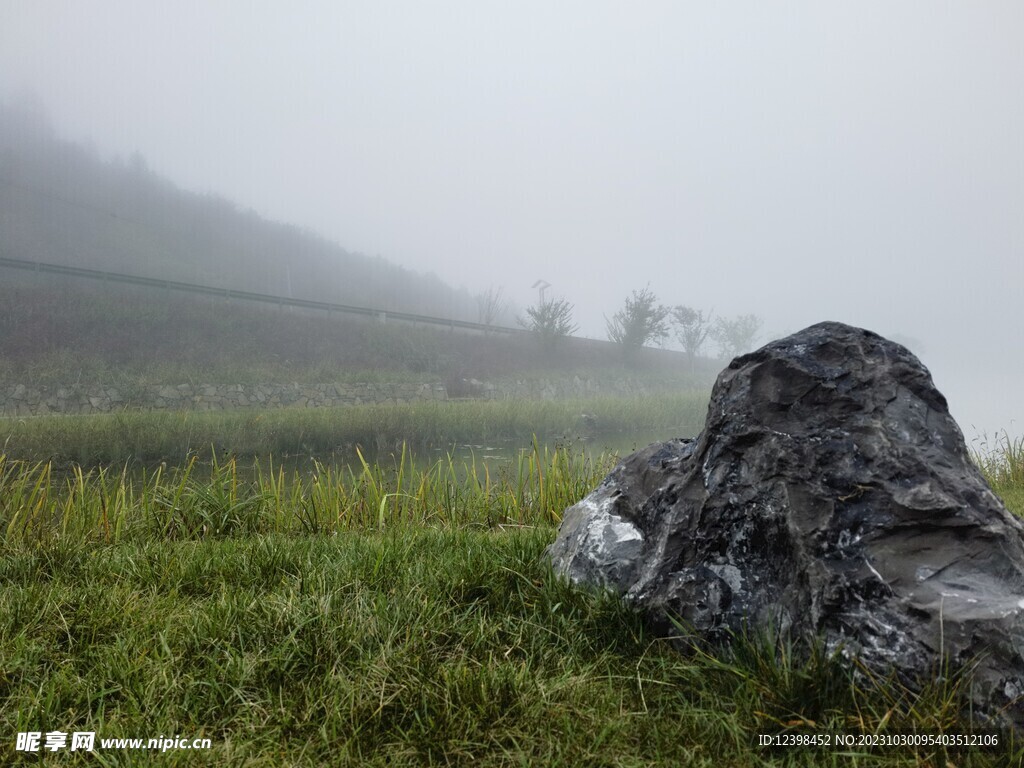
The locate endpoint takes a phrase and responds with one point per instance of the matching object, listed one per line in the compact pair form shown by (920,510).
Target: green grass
(388,616)
(174,436)
(415,646)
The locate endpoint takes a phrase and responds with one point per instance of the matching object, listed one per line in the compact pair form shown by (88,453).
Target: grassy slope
(56,332)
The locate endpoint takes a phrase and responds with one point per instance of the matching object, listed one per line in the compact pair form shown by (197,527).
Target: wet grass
(390,615)
(416,646)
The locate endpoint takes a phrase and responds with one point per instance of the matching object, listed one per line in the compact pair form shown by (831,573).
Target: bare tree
(737,335)
(491,306)
(692,330)
(640,321)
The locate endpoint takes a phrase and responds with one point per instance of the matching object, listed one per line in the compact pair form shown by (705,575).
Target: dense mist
(60,203)
(862,163)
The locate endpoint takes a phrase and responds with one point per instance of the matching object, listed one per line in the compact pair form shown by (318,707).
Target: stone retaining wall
(27,401)
(22,400)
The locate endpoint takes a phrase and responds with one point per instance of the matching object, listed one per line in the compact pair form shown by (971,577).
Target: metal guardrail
(283,301)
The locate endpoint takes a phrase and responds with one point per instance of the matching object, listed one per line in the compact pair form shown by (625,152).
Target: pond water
(618,444)
(492,454)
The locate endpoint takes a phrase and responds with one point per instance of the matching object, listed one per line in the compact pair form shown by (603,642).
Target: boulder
(830,495)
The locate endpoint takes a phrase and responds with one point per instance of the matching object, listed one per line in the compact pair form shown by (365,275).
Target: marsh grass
(229,499)
(173,436)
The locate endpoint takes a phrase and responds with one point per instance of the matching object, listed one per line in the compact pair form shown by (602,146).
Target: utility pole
(542,285)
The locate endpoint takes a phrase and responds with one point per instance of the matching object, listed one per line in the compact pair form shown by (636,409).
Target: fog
(861,162)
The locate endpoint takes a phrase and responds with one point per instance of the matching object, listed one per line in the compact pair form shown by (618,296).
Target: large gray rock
(830,495)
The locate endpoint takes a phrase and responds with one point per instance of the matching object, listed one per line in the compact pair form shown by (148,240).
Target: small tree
(692,330)
(550,320)
(640,321)
(737,335)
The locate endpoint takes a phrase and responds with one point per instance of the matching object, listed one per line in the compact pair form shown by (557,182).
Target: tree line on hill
(643,321)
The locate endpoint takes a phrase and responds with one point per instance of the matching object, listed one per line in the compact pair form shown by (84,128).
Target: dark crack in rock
(830,495)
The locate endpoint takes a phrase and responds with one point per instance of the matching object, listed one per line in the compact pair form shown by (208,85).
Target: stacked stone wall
(21,400)
(24,400)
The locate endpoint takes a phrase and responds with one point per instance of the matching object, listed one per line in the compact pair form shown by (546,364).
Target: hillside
(61,203)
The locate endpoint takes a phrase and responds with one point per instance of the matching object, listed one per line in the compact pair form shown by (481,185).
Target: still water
(493,454)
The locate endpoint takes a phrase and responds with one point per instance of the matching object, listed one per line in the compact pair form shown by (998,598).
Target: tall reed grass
(1001,460)
(231,499)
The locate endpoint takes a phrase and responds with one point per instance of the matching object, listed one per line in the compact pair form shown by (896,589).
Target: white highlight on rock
(872,569)
(605,527)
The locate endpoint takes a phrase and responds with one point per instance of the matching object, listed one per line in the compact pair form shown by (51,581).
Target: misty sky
(861,162)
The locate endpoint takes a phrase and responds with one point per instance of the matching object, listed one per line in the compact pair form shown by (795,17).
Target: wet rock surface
(830,495)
